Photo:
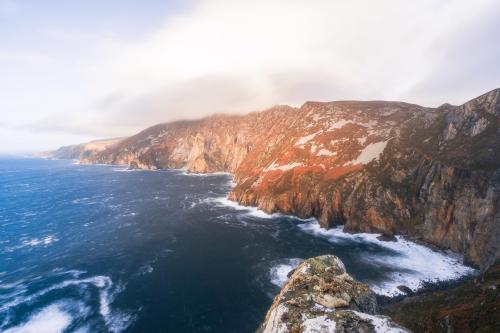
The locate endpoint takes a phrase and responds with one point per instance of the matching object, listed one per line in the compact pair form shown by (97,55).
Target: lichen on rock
(322,297)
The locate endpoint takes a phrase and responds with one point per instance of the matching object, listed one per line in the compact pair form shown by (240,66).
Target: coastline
(468,273)
(425,286)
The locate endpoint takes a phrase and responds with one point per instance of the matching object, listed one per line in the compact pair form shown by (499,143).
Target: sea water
(103,249)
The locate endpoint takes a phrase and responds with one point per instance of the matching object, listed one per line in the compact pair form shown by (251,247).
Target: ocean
(96,248)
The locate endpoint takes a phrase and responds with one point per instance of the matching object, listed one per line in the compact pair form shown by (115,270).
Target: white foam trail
(129,170)
(279,273)
(415,264)
(32,242)
(208,174)
(253,211)
(250,210)
(97,281)
(82,330)
(119,321)
(51,319)
(115,321)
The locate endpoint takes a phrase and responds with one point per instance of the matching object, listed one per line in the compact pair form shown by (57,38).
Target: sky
(73,71)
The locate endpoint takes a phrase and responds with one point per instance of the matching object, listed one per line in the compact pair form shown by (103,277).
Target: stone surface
(321,297)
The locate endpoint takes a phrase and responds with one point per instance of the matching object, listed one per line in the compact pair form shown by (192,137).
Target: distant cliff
(80,151)
(391,167)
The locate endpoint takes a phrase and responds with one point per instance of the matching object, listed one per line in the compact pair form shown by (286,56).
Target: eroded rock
(321,297)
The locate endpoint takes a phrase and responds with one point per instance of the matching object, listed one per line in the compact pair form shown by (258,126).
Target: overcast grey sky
(74,71)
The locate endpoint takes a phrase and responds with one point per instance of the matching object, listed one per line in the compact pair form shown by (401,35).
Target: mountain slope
(216,143)
(391,167)
(80,151)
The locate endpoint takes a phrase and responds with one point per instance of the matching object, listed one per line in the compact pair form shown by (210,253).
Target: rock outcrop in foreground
(431,174)
(321,297)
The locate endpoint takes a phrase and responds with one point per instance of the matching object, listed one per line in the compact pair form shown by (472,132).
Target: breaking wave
(279,273)
(91,306)
(412,264)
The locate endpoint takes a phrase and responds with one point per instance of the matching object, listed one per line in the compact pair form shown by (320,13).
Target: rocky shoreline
(321,297)
(431,174)
(359,309)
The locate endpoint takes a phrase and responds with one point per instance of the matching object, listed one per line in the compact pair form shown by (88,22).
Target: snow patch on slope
(305,139)
(370,153)
(326,152)
(284,167)
(338,124)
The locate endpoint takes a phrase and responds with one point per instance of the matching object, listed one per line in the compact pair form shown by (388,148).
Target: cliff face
(321,297)
(389,167)
(216,143)
(80,151)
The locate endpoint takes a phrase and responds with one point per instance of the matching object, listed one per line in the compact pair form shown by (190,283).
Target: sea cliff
(431,174)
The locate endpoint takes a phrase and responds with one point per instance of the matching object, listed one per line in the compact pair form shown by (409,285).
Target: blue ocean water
(103,249)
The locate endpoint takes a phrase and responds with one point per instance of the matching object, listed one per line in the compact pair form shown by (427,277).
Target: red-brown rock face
(216,143)
(389,167)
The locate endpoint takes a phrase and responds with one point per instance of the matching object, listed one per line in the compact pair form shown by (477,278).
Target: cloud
(24,59)
(239,56)
(232,56)
(468,64)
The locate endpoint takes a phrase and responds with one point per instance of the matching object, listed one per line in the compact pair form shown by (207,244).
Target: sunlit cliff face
(370,166)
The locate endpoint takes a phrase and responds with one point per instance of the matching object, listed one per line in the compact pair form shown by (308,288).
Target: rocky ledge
(321,297)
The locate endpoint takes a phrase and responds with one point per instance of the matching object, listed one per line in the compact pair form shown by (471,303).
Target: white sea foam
(116,321)
(146,269)
(32,242)
(127,169)
(40,241)
(249,210)
(413,265)
(207,174)
(51,319)
(279,272)
(84,329)
(97,281)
